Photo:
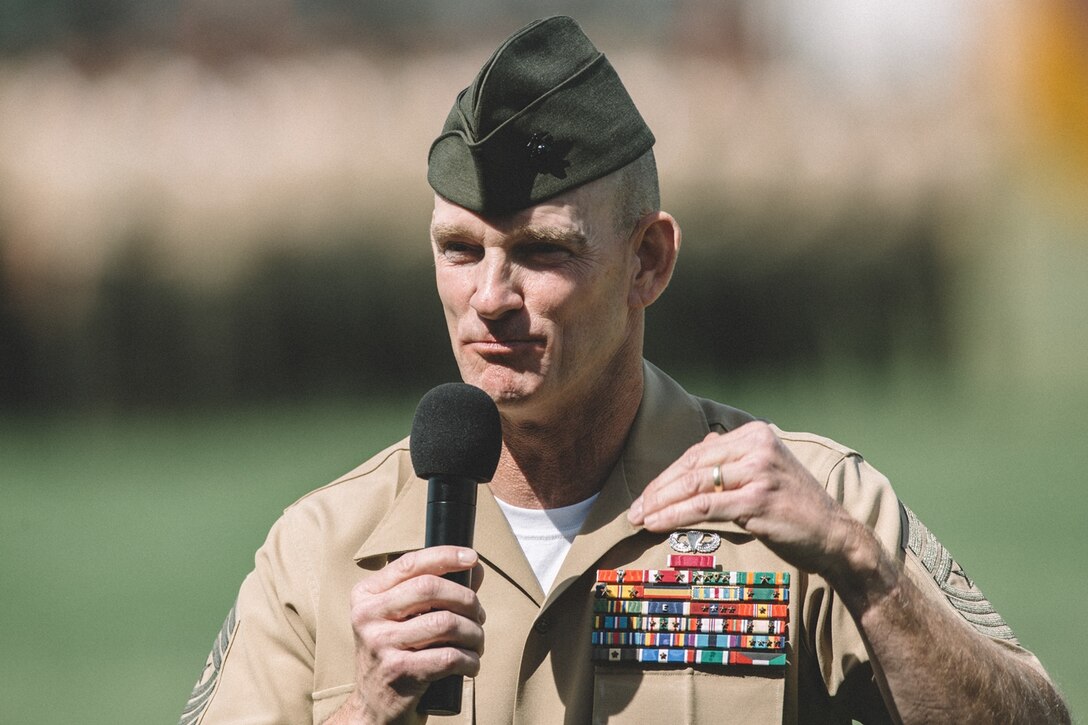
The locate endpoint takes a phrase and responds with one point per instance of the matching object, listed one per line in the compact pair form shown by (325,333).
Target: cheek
(552,299)
(587,320)
(453,291)
(604,322)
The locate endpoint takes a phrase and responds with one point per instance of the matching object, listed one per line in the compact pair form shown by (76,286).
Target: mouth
(503,346)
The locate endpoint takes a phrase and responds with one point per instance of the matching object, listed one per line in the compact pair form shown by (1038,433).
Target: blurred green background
(216,294)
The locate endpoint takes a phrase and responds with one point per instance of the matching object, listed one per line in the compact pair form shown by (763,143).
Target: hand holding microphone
(418,624)
(455,445)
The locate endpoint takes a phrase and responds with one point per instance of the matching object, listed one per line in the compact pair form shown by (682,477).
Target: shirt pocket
(624,695)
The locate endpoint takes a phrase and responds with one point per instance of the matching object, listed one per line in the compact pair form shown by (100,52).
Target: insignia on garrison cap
(687,542)
(546,114)
(960,591)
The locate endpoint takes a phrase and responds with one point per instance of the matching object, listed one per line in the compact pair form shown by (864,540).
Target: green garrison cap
(546,113)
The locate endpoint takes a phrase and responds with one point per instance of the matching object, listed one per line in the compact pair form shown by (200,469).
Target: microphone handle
(451,518)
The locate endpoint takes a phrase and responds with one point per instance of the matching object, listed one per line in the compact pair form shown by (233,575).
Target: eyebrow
(537,233)
(449,231)
(524,232)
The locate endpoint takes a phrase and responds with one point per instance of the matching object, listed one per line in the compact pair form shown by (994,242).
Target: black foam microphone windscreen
(456,432)
(455,445)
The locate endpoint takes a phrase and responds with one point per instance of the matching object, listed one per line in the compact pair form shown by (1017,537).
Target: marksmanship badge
(686,542)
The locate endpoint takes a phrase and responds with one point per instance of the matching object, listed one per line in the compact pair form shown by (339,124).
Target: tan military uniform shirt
(285,654)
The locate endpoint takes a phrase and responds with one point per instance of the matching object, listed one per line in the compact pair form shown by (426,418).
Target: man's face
(537,303)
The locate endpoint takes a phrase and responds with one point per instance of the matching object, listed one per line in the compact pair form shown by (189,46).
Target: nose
(497,292)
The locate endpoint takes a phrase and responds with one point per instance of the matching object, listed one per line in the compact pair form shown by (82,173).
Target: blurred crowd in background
(208,201)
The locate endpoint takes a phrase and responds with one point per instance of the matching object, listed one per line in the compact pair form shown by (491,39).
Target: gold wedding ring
(717,474)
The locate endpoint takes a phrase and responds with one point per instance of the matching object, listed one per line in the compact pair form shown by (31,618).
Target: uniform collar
(668,422)
(403,529)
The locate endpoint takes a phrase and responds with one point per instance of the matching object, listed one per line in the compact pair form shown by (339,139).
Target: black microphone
(455,445)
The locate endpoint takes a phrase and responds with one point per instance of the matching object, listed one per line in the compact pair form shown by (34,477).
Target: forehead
(584,212)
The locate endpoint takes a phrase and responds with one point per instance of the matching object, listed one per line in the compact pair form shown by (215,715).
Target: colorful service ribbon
(691,613)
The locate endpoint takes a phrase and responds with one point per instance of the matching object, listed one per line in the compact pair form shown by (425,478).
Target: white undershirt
(545,535)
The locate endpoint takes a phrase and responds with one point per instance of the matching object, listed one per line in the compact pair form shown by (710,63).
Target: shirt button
(542,625)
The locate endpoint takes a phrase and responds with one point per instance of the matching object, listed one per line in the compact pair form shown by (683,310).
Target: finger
(436,560)
(691,476)
(673,487)
(407,672)
(433,664)
(700,483)
(693,473)
(477,578)
(438,628)
(685,477)
(415,596)
(724,506)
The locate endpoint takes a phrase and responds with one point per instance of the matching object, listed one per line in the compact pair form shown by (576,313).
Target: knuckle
(424,587)
(404,564)
(690,484)
(362,609)
(760,460)
(464,596)
(702,505)
(396,664)
(361,592)
(374,639)
(752,503)
(441,623)
(449,657)
(751,499)
(757,431)
(440,661)
(760,427)
(767,436)
(690,459)
(360,615)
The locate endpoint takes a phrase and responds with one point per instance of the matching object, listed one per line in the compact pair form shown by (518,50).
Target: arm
(411,627)
(261,665)
(936,667)
(933,666)
(260,669)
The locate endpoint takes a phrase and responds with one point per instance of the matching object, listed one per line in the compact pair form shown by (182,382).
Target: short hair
(637,192)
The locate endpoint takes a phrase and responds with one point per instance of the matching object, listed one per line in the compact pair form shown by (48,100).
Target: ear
(656,242)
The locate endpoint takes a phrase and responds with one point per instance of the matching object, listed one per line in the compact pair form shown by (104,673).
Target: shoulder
(852,481)
(386,472)
(845,474)
(819,455)
(822,456)
(354,504)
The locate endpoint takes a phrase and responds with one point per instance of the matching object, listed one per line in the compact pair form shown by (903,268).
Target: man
(549,245)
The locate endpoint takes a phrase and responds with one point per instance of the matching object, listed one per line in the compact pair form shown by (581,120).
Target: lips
(495,342)
(499,345)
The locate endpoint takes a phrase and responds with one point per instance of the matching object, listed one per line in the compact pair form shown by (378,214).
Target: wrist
(353,712)
(864,574)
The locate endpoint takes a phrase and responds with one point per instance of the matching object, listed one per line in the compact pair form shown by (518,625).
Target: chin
(505,386)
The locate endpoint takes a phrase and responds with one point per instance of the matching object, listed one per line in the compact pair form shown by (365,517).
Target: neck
(563,458)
